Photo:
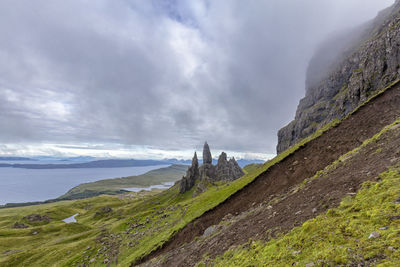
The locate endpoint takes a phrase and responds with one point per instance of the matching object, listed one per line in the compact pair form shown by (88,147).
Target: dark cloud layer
(166,74)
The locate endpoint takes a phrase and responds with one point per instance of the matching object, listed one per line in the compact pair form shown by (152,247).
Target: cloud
(167,74)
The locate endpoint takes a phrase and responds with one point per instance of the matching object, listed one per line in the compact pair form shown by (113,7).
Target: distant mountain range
(14,159)
(106,163)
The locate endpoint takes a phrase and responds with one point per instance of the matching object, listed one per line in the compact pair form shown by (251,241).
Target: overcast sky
(158,78)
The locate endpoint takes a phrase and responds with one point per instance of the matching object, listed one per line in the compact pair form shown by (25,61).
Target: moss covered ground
(364,229)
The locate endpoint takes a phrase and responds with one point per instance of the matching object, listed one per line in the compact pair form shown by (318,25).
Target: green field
(172,173)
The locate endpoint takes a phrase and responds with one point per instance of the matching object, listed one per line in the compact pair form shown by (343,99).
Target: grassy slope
(159,216)
(169,174)
(251,167)
(338,237)
(176,211)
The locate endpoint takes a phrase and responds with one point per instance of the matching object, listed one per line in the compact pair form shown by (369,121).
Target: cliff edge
(344,72)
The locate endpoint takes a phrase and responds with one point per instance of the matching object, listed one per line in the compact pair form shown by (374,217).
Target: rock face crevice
(364,61)
(225,170)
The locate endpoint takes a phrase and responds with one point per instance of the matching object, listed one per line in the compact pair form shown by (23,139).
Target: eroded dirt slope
(304,163)
(294,206)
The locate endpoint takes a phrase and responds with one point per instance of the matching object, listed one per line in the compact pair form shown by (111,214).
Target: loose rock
(374,235)
(19,225)
(209,231)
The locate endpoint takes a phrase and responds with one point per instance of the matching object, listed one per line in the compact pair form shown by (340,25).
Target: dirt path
(314,156)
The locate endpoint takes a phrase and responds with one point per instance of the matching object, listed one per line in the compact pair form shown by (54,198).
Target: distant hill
(244,162)
(79,158)
(114,186)
(14,159)
(107,163)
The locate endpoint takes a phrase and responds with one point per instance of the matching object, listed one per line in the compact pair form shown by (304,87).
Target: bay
(26,185)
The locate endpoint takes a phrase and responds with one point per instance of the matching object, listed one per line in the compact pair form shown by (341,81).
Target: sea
(25,185)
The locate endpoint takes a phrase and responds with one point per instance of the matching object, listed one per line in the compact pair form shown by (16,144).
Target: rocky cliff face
(189,180)
(225,170)
(207,158)
(345,72)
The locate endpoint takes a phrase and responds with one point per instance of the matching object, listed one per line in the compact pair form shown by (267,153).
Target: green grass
(338,237)
(251,167)
(136,225)
(169,174)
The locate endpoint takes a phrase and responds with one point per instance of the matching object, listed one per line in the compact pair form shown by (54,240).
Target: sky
(157,78)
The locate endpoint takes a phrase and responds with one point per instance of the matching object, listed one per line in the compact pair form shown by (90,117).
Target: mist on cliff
(164,75)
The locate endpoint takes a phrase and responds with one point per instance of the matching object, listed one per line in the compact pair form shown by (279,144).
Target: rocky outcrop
(345,72)
(35,218)
(192,174)
(19,225)
(225,170)
(207,158)
(207,170)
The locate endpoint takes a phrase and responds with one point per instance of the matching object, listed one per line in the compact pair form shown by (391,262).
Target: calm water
(24,185)
(71,219)
(151,187)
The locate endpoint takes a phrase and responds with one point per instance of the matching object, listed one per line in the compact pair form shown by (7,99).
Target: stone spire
(225,170)
(207,159)
(195,161)
(195,165)
(192,174)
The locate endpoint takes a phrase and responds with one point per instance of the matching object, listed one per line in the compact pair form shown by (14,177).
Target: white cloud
(160,74)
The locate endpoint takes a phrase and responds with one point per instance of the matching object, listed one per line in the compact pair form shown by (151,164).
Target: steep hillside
(338,189)
(269,190)
(345,71)
(362,231)
(298,203)
(123,229)
(120,230)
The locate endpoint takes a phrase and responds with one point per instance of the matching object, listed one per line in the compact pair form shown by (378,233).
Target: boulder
(19,225)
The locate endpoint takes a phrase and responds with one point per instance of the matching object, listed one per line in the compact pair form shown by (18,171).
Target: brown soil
(304,163)
(295,206)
